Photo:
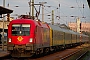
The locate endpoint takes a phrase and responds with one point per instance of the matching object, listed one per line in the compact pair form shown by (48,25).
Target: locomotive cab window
(21,29)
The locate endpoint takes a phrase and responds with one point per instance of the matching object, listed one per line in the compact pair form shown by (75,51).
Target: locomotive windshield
(21,29)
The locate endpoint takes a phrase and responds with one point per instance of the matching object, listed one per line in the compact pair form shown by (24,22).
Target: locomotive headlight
(9,40)
(31,40)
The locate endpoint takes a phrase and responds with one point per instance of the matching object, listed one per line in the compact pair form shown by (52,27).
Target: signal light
(80,25)
(8,17)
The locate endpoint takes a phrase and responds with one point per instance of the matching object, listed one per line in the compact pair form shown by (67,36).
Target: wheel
(46,51)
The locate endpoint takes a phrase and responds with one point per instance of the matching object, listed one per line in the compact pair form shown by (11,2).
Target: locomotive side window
(21,29)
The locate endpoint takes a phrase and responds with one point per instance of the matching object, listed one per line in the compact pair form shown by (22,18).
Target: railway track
(78,57)
(61,55)
(64,57)
(81,55)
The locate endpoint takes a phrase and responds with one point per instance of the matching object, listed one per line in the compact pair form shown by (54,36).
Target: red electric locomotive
(27,37)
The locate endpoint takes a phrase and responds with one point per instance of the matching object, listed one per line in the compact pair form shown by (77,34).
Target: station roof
(4,10)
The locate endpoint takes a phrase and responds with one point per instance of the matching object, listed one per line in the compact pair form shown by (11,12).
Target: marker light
(9,40)
(31,40)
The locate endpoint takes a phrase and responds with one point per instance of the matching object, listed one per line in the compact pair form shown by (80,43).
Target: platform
(4,52)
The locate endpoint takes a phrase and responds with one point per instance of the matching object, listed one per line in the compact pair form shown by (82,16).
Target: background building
(85,26)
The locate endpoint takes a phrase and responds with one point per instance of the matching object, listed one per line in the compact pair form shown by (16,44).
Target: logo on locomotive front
(20,38)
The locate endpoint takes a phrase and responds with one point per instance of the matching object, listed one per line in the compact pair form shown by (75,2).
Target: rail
(69,55)
(81,55)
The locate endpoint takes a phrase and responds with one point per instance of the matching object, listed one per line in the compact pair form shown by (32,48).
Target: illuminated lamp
(31,40)
(9,40)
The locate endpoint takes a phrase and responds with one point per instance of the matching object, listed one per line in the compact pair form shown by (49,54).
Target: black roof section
(4,10)
(88,3)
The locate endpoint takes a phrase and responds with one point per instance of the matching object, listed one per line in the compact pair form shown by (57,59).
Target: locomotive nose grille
(20,46)
(21,50)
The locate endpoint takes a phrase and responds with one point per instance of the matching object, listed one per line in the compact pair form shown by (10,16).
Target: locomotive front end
(20,40)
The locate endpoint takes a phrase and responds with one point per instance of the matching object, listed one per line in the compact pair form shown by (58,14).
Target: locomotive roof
(30,21)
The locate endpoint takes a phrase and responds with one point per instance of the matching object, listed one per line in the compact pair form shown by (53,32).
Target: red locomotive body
(27,37)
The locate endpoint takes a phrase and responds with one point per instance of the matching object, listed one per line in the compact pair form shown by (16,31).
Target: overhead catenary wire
(55,9)
(83,10)
(61,12)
